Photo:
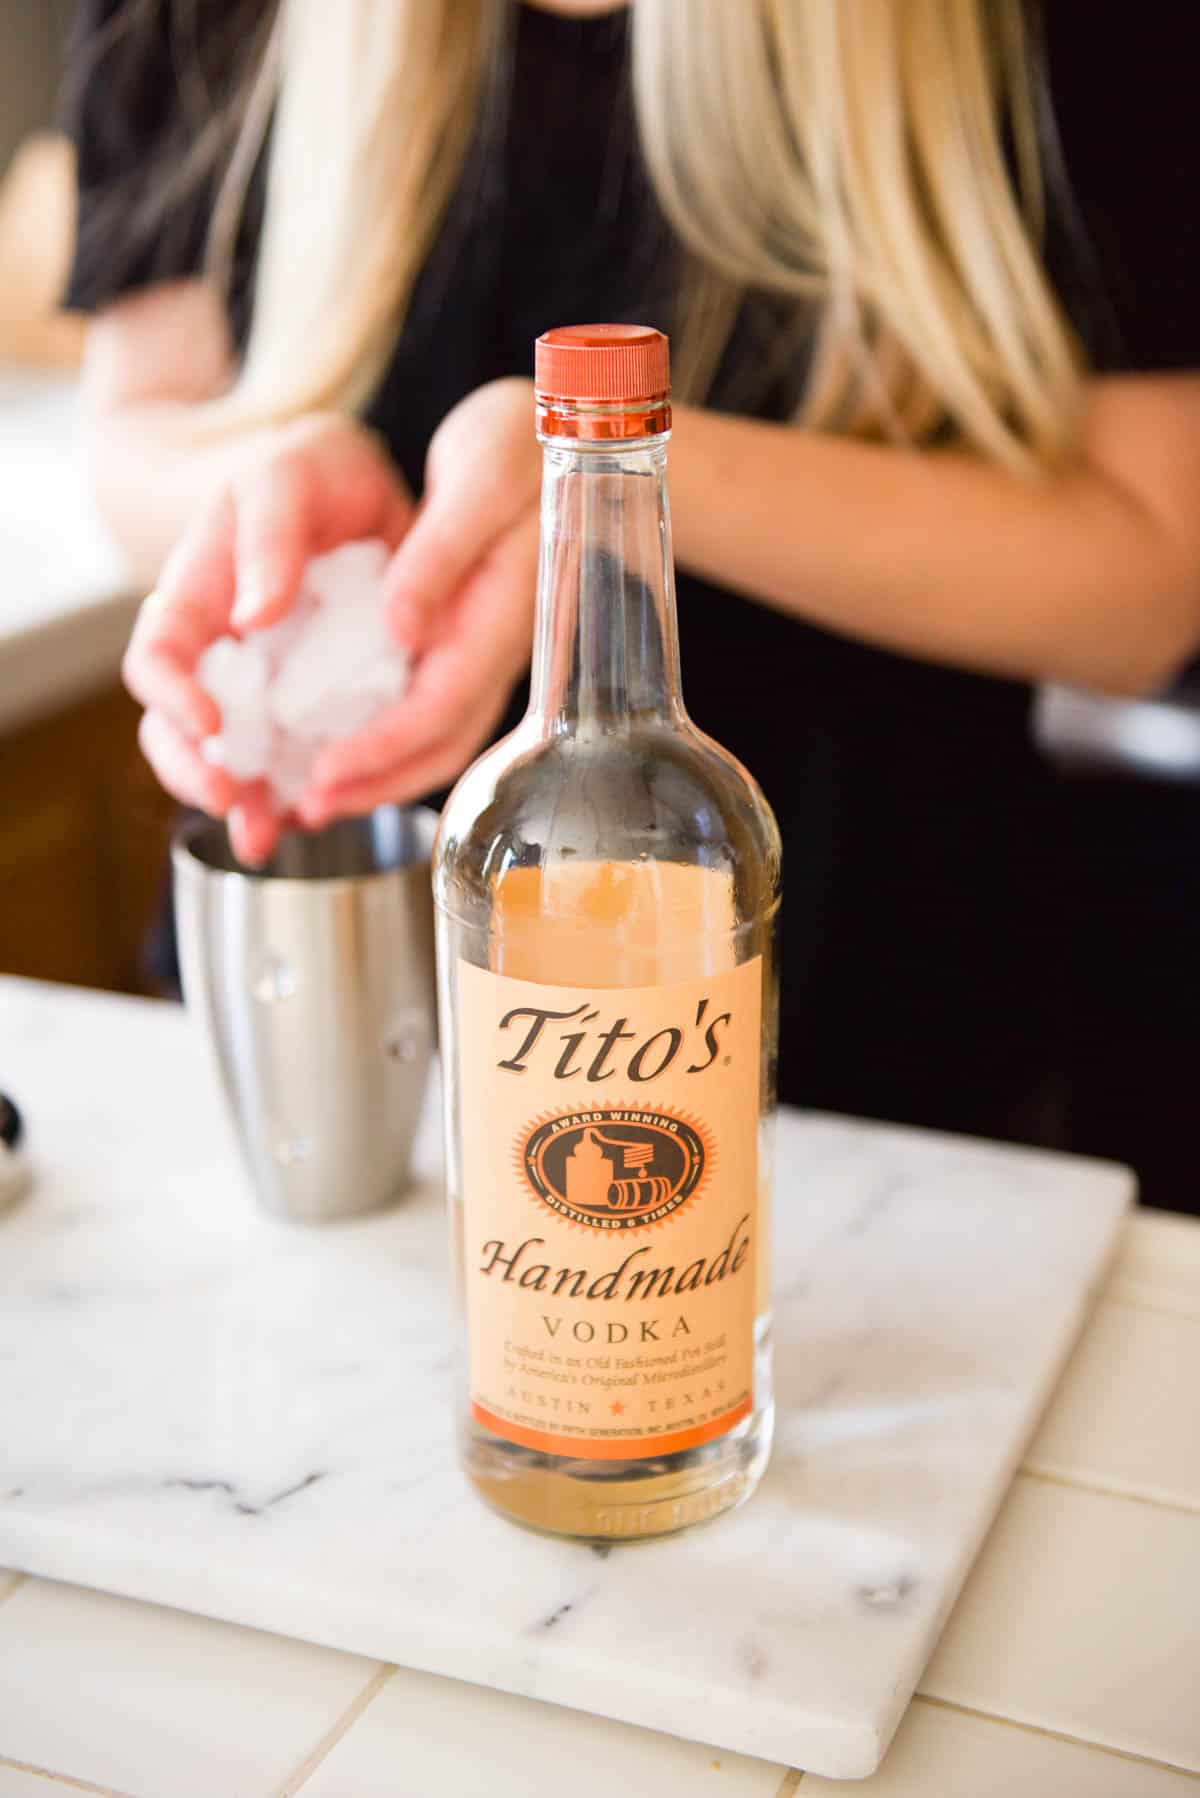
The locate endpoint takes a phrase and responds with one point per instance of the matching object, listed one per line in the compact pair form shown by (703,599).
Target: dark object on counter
(14,1169)
(12,1125)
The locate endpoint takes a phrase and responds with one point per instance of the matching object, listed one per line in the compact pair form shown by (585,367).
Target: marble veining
(205,1408)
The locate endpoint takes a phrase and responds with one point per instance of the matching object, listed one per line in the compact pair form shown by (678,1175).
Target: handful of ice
(324,672)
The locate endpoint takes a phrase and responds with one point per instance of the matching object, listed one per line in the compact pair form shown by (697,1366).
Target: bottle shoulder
(656,793)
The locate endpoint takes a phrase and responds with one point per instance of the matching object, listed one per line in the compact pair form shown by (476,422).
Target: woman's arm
(150,361)
(1091,576)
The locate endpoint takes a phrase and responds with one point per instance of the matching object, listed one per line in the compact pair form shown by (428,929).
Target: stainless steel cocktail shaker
(313,979)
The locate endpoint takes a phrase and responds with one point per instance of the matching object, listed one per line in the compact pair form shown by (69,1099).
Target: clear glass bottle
(607,882)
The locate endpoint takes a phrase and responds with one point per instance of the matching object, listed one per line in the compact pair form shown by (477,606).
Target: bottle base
(600,1503)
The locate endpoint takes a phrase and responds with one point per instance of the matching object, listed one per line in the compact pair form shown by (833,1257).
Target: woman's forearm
(153,361)
(1091,576)
(150,481)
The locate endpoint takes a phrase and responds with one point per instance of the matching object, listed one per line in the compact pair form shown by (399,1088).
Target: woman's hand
(460,595)
(301,490)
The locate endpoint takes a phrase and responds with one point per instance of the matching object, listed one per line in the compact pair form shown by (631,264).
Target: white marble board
(201,1407)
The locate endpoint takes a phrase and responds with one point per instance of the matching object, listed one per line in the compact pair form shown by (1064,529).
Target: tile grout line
(300,1776)
(1055,1735)
(1188,1307)
(791,1783)
(1072,1483)
(63,1779)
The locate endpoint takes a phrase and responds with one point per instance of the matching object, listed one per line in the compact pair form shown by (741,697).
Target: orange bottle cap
(602,381)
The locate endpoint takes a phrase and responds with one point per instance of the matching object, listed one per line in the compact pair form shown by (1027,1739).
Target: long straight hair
(878,165)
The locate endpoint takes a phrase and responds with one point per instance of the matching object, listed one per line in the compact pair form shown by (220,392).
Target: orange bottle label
(611,1233)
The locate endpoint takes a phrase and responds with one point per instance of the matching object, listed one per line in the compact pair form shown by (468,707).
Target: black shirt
(923,882)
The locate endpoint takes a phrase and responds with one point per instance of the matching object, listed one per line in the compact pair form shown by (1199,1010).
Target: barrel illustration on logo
(617,1168)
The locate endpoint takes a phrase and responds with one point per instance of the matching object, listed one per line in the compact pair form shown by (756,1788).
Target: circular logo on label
(616,1168)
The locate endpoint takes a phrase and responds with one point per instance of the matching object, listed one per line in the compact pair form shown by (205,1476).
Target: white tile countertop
(65,603)
(1070,1665)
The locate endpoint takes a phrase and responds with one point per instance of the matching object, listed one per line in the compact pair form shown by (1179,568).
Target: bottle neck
(606,651)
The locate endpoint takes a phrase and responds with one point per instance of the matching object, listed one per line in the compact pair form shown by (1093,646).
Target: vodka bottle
(607,882)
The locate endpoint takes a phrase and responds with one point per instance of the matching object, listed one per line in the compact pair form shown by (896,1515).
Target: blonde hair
(848,156)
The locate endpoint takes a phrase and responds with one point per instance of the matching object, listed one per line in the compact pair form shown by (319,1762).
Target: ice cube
(236,675)
(377,691)
(345,657)
(323,673)
(350,575)
(278,640)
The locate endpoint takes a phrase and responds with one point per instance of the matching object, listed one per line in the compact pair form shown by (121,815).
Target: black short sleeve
(1122,86)
(140,95)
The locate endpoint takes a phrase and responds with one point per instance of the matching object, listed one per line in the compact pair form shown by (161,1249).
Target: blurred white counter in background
(66,607)
(1157,739)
